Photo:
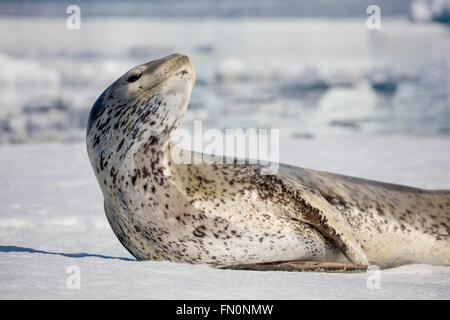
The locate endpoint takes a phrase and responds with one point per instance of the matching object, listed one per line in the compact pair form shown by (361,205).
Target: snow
(44,276)
(52,218)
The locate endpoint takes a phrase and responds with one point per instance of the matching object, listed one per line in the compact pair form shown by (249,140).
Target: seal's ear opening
(134,77)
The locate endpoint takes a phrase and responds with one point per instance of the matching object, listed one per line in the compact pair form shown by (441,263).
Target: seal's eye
(133,77)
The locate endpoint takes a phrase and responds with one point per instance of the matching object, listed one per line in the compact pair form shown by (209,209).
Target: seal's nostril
(133,77)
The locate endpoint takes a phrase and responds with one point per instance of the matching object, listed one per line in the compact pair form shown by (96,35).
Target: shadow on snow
(70,255)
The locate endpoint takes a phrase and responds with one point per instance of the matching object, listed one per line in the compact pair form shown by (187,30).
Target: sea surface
(311,69)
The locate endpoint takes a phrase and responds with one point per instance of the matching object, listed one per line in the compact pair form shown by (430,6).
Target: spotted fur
(230,214)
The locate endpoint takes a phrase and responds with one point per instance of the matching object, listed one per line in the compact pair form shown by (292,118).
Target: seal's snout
(154,72)
(179,63)
(149,75)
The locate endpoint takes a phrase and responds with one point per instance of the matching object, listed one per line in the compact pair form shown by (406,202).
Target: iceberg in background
(430,10)
(319,72)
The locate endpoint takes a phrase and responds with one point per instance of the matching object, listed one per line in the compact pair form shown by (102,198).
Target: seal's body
(231,214)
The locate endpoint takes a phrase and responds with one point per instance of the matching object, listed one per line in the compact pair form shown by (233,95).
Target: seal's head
(147,102)
(171,78)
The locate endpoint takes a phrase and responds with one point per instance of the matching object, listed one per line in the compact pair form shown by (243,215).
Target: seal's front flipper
(312,266)
(311,207)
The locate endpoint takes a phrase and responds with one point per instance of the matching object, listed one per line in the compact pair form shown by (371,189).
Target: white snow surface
(52,218)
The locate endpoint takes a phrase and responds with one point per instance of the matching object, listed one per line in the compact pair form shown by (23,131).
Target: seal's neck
(151,124)
(132,139)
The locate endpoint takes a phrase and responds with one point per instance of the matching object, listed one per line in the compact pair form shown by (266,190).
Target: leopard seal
(231,215)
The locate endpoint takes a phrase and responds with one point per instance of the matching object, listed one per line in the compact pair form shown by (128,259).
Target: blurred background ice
(367,103)
(310,68)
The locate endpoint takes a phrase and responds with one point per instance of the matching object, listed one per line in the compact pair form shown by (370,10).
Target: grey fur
(230,214)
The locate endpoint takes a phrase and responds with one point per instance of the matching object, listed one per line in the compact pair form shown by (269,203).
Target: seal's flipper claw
(298,266)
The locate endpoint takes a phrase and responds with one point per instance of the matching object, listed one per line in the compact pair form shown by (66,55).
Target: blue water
(204,8)
(308,68)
